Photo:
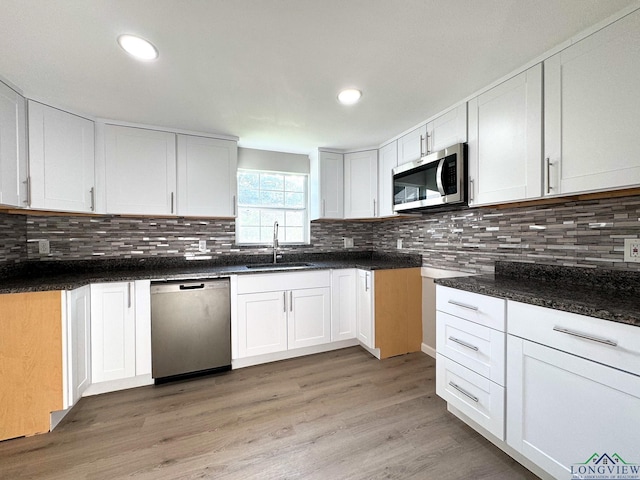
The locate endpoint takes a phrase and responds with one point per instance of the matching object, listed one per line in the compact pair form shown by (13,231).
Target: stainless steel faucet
(275,241)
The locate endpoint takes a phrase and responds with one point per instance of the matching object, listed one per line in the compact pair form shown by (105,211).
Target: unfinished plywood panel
(398,311)
(30,362)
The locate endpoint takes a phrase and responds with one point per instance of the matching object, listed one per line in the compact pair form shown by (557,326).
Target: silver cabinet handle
(93,199)
(366,282)
(463,305)
(324,207)
(27,182)
(172,194)
(427,142)
(471,190)
(549,163)
(586,336)
(463,343)
(421,143)
(464,392)
(374,207)
(284,302)
(291,300)
(234,206)
(129,295)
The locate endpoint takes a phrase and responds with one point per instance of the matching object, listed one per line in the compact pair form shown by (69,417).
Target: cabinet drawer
(489,311)
(480,399)
(479,348)
(603,341)
(272,282)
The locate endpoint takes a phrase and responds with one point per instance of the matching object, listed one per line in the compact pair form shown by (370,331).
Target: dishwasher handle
(192,287)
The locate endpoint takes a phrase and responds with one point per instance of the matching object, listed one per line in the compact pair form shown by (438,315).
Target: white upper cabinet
(591,111)
(387,161)
(139,171)
(327,185)
(412,146)
(13,148)
(505,141)
(361,184)
(61,160)
(448,129)
(207,169)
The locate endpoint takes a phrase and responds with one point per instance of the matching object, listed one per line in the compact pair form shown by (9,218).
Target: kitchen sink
(278,266)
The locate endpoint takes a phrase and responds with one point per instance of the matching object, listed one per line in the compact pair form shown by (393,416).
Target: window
(267,197)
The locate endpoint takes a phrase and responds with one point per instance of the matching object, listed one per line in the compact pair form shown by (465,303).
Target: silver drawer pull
(458,304)
(606,341)
(463,343)
(464,392)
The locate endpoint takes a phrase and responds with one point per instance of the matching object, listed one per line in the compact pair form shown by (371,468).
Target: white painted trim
(11,85)
(115,385)
(65,110)
(518,457)
(120,123)
(430,272)
(56,417)
(298,352)
(428,350)
(373,351)
(541,58)
(66,349)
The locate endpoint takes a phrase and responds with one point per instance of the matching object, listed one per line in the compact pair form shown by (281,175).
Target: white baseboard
(298,352)
(428,350)
(115,385)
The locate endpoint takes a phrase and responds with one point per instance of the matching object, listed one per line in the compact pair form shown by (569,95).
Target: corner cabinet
(139,170)
(361,184)
(591,111)
(326,185)
(13,148)
(343,304)
(61,160)
(207,182)
(505,141)
(387,161)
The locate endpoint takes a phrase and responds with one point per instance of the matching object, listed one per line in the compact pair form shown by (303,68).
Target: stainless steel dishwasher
(190,329)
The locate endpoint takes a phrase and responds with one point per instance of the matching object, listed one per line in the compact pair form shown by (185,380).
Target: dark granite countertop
(606,294)
(67,275)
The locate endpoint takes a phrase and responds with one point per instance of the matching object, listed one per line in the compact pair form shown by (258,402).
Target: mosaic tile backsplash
(586,233)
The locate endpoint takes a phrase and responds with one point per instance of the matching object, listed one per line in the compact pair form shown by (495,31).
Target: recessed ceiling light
(349,96)
(137,47)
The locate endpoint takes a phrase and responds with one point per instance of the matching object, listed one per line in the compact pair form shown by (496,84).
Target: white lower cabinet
(567,413)
(470,360)
(365,319)
(282,311)
(120,331)
(343,304)
(78,343)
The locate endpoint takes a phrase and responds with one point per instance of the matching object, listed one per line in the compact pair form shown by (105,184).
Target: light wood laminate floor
(336,415)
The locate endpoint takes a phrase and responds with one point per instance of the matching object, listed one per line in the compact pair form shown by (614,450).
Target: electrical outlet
(348,242)
(632,250)
(399,244)
(202,246)
(43,247)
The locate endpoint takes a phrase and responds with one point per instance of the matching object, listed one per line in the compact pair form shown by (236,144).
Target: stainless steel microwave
(434,180)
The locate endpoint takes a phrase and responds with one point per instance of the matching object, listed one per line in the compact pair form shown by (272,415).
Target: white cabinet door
(505,141)
(361,184)
(327,185)
(140,171)
(61,160)
(387,161)
(262,323)
(13,148)
(309,317)
(555,405)
(364,308)
(79,343)
(447,129)
(412,146)
(207,169)
(113,331)
(343,304)
(591,111)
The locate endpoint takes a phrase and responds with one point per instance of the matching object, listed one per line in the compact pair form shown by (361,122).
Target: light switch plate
(202,246)
(348,242)
(632,250)
(399,243)
(43,247)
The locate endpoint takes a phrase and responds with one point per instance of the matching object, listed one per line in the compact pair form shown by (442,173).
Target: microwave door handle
(439,177)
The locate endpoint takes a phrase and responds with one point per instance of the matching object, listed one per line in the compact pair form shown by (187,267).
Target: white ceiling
(269,71)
